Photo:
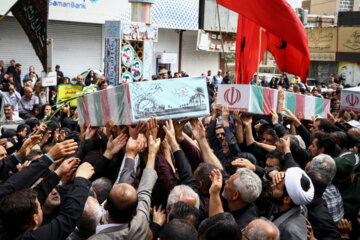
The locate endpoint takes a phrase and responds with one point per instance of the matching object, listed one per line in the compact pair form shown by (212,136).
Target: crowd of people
(229,175)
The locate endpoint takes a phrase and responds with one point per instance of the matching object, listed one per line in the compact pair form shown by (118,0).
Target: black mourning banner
(33,17)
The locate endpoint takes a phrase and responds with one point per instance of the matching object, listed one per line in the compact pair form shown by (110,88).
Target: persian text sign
(350,99)
(66,91)
(349,39)
(322,40)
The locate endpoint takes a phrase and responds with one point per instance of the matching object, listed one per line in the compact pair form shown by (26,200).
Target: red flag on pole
(247,42)
(279,19)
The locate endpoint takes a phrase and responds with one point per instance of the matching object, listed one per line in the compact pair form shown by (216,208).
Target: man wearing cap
(290,190)
(348,183)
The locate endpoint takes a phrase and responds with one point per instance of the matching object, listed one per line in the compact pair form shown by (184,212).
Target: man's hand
(63,149)
(85,170)
(277,177)
(345,227)
(300,116)
(178,127)
(197,129)
(274,116)
(289,114)
(91,132)
(152,127)
(159,216)
(134,147)
(247,120)
(20,166)
(243,163)
(214,111)
(225,115)
(284,144)
(67,169)
(135,131)
(310,232)
(238,120)
(170,132)
(114,145)
(154,145)
(62,136)
(217,181)
(27,146)
(332,119)
(45,138)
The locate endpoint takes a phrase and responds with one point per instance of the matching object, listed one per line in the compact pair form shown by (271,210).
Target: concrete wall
(322,7)
(193,62)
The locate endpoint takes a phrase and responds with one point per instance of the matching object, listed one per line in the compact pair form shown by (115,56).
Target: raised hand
(216,179)
(152,127)
(225,115)
(237,115)
(243,163)
(85,170)
(197,129)
(63,149)
(67,170)
(27,146)
(134,147)
(178,127)
(139,128)
(159,215)
(115,145)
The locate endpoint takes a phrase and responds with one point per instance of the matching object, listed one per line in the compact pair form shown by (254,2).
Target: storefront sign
(48,79)
(349,39)
(322,40)
(323,57)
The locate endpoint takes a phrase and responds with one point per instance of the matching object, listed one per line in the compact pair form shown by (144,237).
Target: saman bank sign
(72,4)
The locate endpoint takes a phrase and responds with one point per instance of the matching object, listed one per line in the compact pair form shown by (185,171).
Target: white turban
(293,186)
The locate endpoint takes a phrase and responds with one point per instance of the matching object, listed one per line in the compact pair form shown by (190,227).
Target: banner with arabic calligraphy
(33,18)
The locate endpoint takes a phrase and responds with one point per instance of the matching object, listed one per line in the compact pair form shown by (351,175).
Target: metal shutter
(77,46)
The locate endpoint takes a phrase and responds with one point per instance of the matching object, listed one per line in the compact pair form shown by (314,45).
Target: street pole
(49,45)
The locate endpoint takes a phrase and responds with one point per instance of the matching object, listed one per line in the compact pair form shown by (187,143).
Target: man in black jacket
(21,213)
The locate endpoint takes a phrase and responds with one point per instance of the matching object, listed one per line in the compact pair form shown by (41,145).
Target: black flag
(33,17)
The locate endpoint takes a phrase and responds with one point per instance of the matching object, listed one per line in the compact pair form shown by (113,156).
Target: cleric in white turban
(299,186)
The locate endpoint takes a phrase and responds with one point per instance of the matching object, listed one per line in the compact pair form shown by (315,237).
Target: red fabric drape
(281,21)
(247,49)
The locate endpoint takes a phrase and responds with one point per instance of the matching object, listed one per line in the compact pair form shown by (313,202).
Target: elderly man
(240,191)
(9,116)
(89,220)
(80,80)
(261,229)
(291,189)
(128,210)
(325,165)
(27,102)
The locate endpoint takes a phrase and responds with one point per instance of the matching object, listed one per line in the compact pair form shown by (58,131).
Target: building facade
(78,30)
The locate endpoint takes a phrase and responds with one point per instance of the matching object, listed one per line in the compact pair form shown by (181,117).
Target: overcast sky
(295,3)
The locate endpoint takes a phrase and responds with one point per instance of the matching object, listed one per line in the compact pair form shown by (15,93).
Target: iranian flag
(260,100)
(263,100)
(308,105)
(99,108)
